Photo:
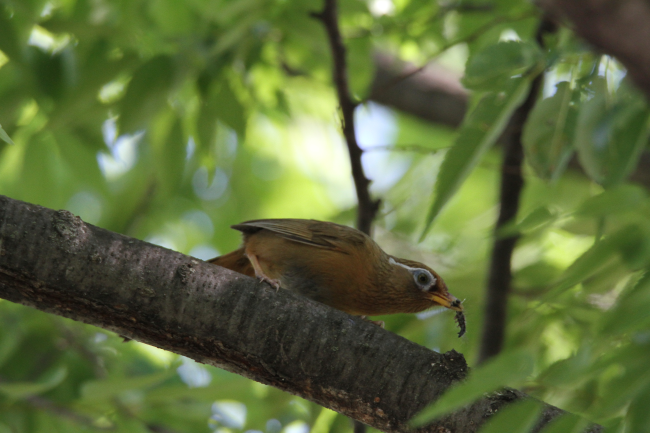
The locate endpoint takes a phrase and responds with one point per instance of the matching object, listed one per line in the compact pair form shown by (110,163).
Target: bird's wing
(318,234)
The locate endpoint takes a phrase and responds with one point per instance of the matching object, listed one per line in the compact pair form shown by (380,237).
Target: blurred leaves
(492,67)
(146,94)
(4,137)
(170,121)
(507,369)
(478,133)
(548,133)
(611,132)
(17,390)
(518,417)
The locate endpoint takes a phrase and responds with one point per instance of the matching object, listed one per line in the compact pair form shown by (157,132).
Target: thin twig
(367,206)
(413,148)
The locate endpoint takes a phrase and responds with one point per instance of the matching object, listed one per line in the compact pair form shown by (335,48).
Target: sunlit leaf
(4,136)
(480,130)
(508,369)
(630,243)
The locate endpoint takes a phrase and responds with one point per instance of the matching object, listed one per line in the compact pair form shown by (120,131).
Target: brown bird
(336,265)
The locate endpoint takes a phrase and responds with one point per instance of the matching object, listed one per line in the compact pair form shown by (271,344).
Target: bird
(336,265)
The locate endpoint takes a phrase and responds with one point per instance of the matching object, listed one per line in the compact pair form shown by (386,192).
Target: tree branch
(367,206)
(617,27)
(53,261)
(436,95)
(433,94)
(512,183)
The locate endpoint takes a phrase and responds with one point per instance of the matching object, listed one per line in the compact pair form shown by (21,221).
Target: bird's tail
(235,261)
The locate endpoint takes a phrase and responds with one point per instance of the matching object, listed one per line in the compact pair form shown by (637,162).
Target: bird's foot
(379,323)
(271,282)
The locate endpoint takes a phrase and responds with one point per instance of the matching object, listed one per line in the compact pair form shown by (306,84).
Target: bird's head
(422,283)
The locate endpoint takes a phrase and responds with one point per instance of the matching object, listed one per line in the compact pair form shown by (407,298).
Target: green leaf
(616,200)
(611,134)
(360,66)
(518,417)
(548,134)
(566,423)
(508,369)
(146,94)
(9,41)
(630,312)
(172,17)
(229,109)
(568,372)
(534,220)
(480,130)
(18,390)
(4,136)
(107,389)
(630,243)
(9,342)
(638,415)
(492,67)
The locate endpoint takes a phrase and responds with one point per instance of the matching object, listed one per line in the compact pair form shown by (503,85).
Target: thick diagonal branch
(55,262)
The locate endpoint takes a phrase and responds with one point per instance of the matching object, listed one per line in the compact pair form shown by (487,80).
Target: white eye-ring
(423,278)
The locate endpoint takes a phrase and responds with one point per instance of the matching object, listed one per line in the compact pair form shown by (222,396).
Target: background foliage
(169,121)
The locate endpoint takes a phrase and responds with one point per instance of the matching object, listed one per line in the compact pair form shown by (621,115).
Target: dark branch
(617,27)
(512,182)
(55,262)
(367,206)
(436,95)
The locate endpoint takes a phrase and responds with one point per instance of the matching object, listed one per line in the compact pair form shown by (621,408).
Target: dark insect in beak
(460,320)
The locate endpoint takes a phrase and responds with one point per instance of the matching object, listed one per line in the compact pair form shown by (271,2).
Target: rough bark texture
(617,27)
(53,261)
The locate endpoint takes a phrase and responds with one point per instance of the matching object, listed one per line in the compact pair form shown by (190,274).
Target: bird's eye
(423,278)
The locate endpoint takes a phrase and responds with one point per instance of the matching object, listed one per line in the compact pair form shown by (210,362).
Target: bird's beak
(447,300)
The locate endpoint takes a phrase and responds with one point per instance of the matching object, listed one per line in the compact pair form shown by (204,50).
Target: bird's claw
(379,323)
(271,282)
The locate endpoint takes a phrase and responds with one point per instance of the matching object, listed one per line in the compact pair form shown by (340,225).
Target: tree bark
(620,28)
(435,95)
(53,261)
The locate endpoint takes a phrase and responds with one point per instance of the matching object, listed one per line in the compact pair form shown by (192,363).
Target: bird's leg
(259,273)
(379,323)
